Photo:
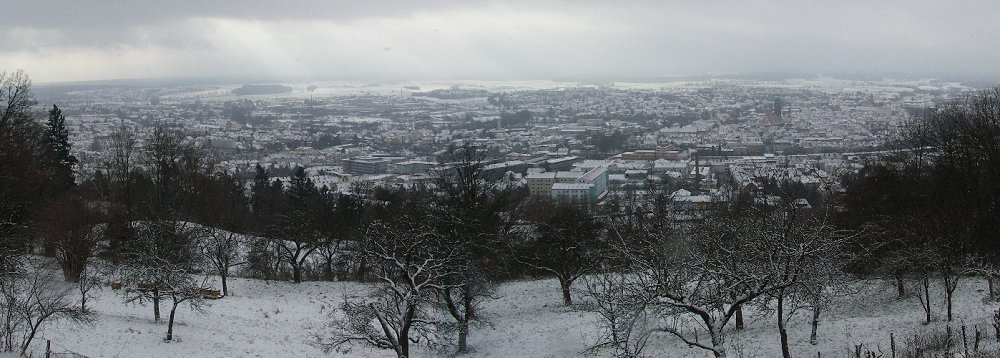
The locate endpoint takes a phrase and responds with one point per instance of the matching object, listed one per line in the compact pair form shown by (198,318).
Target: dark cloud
(59,40)
(131,22)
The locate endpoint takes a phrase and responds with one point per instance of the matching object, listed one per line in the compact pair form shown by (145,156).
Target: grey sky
(110,39)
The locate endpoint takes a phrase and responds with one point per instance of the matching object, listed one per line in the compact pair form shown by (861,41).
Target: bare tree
(695,277)
(820,286)
(625,321)
(224,250)
(474,211)
(161,261)
(567,243)
(984,268)
(89,279)
(295,238)
(922,265)
(140,272)
(936,249)
(462,294)
(15,92)
(161,160)
(262,259)
(184,287)
(22,156)
(409,266)
(807,252)
(30,298)
(120,164)
(330,252)
(953,261)
(163,265)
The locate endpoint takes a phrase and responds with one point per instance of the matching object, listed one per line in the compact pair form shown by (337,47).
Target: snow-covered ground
(526,319)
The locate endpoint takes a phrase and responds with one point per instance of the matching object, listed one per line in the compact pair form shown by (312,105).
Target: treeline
(246,90)
(935,199)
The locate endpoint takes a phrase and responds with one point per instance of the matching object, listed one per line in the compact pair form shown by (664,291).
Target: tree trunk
(470,310)
(950,283)
(31,337)
(156,305)
(328,269)
(225,288)
(739,318)
(948,294)
(362,270)
(9,319)
(72,268)
(404,346)
(390,333)
(565,284)
(170,323)
(718,341)
(927,299)
(813,339)
(460,314)
(463,337)
(403,339)
(463,331)
(781,324)
(989,284)
(296,273)
(900,287)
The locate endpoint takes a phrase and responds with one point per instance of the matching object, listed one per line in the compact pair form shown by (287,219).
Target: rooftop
(571,186)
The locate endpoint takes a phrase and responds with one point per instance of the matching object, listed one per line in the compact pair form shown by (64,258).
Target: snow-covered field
(526,319)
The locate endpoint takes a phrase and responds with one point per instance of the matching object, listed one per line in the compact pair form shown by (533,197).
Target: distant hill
(454,93)
(261,89)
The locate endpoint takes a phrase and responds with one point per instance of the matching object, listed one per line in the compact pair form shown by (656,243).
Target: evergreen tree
(57,140)
(300,187)
(259,191)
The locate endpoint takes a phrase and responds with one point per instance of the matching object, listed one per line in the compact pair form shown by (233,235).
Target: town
(568,141)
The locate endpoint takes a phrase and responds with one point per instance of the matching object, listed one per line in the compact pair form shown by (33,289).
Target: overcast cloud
(89,40)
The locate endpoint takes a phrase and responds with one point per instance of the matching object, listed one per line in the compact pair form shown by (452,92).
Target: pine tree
(57,138)
(259,191)
(300,187)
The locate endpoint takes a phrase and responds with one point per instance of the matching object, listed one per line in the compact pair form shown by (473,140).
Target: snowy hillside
(526,319)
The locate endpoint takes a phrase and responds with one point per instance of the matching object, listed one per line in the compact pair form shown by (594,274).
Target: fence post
(48,348)
(892,344)
(975,346)
(965,344)
(947,341)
